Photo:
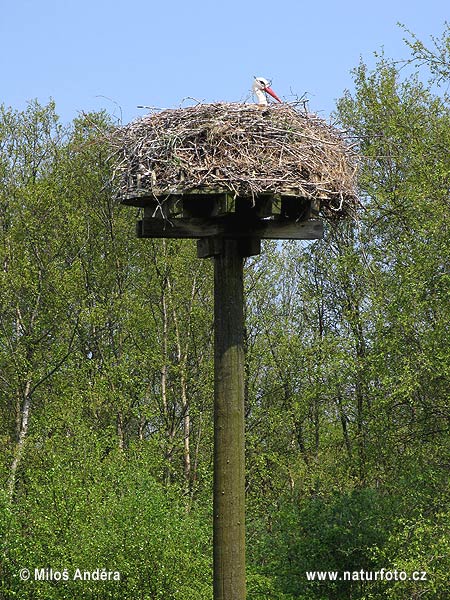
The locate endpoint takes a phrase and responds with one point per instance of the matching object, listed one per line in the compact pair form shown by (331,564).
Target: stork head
(261,87)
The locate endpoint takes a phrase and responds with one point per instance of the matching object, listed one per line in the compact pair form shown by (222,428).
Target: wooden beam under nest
(219,216)
(230,227)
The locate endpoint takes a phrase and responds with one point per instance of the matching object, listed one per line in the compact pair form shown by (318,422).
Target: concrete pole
(229,458)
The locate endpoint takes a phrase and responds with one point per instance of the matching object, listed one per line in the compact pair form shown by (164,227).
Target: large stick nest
(246,149)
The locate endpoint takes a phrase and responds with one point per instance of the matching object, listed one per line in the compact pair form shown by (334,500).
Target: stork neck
(261,97)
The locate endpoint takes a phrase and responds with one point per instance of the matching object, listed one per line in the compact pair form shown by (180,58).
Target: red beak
(272,93)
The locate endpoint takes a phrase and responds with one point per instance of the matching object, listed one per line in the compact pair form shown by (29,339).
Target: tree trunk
(21,438)
(186,427)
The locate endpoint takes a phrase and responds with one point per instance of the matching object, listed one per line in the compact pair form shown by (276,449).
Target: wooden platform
(202,214)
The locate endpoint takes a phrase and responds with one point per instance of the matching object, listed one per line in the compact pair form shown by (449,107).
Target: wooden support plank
(230,226)
(207,206)
(143,197)
(315,208)
(208,247)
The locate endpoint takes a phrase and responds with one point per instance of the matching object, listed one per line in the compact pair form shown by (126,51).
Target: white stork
(261,85)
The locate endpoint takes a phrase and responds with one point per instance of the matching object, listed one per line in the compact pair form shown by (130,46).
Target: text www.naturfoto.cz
(362,575)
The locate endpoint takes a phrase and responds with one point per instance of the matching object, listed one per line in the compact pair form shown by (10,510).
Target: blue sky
(89,55)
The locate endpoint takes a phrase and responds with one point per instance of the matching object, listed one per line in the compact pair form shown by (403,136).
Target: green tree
(83,344)
(369,305)
(38,318)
